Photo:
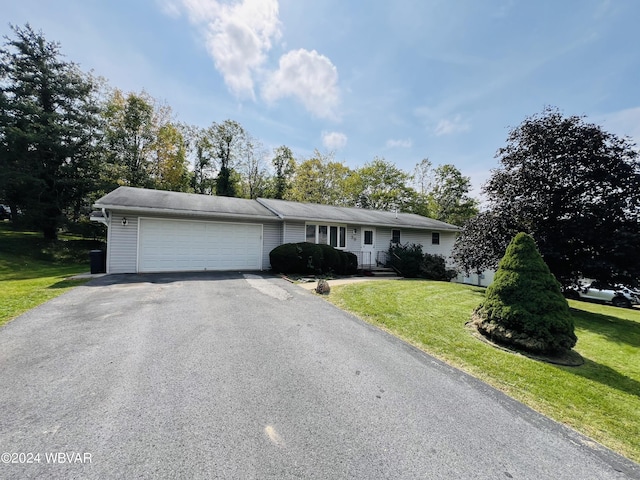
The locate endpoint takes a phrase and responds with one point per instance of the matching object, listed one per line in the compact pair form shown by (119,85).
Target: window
(310,234)
(368,237)
(395,236)
(334,235)
(435,238)
(322,234)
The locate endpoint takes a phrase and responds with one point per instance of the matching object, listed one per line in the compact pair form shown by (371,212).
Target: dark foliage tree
(524,306)
(48,121)
(481,237)
(575,188)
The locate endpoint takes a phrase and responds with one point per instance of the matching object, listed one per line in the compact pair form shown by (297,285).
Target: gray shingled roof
(143,200)
(360,216)
(159,201)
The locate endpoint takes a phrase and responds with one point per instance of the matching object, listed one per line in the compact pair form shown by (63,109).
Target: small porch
(375,262)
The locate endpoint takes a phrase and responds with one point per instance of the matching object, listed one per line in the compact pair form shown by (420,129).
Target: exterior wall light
(124,221)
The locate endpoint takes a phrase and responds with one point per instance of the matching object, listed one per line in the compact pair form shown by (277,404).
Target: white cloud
(399,143)
(334,140)
(238,36)
(310,78)
(451,126)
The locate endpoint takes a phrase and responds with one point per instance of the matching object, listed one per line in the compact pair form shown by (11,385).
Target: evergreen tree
(48,121)
(524,306)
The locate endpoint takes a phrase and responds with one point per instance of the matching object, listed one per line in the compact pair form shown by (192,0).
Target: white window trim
(328,225)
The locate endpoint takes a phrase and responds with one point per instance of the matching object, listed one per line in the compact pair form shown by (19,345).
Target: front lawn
(600,399)
(33,270)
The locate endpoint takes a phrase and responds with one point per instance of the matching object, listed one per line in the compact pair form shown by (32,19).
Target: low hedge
(309,258)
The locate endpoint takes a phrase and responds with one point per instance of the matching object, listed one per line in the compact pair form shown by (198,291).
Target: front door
(368,247)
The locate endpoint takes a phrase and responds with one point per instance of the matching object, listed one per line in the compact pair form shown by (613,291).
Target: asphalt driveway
(237,376)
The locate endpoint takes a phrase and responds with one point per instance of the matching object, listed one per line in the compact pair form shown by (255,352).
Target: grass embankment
(600,398)
(33,270)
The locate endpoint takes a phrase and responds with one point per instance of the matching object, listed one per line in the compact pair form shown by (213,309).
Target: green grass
(33,270)
(600,398)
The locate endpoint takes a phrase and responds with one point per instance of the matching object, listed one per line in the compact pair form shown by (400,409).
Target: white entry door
(368,247)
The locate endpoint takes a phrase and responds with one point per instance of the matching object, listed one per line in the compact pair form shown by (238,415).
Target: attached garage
(182,245)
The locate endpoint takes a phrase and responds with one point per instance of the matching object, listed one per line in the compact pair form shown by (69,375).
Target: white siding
(122,244)
(486,278)
(383,237)
(423,238)
(354,239)
(272,236)
(445,248)
(294,232)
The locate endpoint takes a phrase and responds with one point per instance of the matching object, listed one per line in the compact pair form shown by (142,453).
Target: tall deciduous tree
(576,189)
(199,148)
(449,196)
(284,166)
(170,169)
(48,118)
(381,185)
(252,169)
(320,179)
(130,134)
(228,140)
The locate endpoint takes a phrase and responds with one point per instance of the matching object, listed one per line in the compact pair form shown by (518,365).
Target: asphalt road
(243,377)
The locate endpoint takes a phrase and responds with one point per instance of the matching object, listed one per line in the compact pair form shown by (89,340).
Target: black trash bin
(97,261)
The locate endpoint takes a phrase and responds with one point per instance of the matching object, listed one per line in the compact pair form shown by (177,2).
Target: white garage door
(181,246)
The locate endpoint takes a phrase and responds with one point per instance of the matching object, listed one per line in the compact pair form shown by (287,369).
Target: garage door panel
(174,245)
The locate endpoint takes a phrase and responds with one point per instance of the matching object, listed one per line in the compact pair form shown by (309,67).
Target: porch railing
(371,260)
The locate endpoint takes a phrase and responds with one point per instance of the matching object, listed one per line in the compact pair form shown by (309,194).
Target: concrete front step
(383,272)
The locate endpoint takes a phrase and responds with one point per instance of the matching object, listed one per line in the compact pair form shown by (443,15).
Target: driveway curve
(225,375)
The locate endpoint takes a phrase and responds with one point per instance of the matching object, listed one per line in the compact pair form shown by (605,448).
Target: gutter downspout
(107,218)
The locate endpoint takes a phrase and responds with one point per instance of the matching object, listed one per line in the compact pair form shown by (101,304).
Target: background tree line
(67,138)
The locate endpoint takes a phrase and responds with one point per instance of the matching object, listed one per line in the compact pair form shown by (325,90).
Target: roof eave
(452,228)
(191,213)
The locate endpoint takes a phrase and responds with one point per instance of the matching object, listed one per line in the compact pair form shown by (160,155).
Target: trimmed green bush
(350,261)
(407,259)
(524,306)
(309,258)
(331,260)
(434,267)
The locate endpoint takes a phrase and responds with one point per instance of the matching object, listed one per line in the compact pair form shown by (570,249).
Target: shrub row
(309,258)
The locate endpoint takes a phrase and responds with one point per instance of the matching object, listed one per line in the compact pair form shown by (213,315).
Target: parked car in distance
(617,295)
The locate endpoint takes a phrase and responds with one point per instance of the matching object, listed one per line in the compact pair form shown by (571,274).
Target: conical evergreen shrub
(524,306)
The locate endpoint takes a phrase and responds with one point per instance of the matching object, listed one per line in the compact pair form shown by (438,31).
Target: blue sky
(402,79)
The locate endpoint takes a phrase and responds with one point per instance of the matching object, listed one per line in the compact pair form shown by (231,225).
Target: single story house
(160,231)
